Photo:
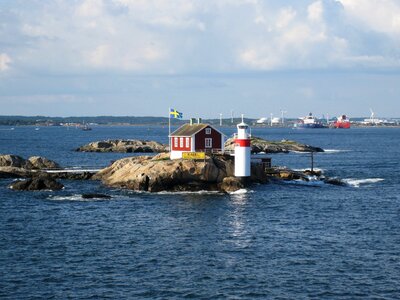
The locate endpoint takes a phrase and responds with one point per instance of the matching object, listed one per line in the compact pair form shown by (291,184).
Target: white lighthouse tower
(242,151)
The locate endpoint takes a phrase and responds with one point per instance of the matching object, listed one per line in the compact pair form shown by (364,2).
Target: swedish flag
(174,114)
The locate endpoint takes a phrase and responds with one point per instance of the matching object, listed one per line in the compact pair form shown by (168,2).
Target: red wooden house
(196,138)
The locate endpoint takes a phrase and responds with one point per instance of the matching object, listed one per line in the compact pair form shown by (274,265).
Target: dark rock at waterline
(231,184)
(260,145)
(334,181)
(72,175)
(95,196)
(36,184)
(14,172)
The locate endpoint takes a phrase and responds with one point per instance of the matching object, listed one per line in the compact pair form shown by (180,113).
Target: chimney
(192,121)
(199,120)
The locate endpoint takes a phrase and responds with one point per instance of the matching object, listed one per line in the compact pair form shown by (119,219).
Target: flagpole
(169,129)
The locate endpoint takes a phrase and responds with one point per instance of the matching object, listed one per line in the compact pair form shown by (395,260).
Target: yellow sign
(193,155)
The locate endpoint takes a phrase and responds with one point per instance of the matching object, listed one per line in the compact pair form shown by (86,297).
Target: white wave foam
(75,197)
(358,182)
(241,192)
(315,169)
(334,150)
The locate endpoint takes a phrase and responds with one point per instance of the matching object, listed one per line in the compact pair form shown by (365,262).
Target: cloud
(188,36)
(5,61)
(376,15)
(315,11)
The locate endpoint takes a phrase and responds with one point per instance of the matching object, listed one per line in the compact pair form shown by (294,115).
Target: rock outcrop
(14,172)
(125,146)
(14,166)
(40,163)
(303,176)
(36,184)
(260,145)
(32,163)
(9,160)
(159,173)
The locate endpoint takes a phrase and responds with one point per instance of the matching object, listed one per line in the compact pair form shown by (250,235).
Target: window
(208,130)
(175,142)
(208,143)
(187,142)
(181,142)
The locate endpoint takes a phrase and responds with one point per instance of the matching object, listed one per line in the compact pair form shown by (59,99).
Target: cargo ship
(309,122)
(342,122)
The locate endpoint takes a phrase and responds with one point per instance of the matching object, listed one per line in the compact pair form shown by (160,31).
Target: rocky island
(159,173)
(124,146)
(259,145)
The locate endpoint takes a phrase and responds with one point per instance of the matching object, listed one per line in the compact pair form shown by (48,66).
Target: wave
(75,197)
(240,192)
(315,169)
(358,182)
(334,150)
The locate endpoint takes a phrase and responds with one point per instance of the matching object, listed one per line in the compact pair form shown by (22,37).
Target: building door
(208,143)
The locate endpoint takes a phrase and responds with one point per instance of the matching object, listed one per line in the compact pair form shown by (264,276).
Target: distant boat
(86,127)
(309,122)
(342,122)
(37,128)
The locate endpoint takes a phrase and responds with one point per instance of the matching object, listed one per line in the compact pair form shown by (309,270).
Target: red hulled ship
(342,122)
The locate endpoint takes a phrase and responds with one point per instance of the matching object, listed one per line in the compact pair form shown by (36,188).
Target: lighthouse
(242,151)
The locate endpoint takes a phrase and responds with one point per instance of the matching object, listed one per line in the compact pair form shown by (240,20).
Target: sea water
(274,241)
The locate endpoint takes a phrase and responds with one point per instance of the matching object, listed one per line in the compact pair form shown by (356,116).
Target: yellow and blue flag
(174,114)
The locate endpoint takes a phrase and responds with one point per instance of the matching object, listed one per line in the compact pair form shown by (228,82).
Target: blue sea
(274,241)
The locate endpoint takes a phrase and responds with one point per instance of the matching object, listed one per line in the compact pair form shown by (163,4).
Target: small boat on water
(342,122)
(86,127)
(309,122)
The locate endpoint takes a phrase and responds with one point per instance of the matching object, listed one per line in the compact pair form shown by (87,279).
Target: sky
(201,57)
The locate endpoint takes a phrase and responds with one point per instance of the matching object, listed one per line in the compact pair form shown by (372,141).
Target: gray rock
(260,145)
(36,184)
(124,146)
(9,160)
(231,184)
(39,163)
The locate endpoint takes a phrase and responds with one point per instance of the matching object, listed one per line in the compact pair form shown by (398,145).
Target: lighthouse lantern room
(242,151)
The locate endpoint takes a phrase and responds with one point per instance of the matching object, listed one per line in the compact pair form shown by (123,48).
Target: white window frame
(208,143)
(208,130)
(175,142)
(187,142)
(181,142)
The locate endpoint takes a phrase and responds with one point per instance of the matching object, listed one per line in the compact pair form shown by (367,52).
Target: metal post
(312,161)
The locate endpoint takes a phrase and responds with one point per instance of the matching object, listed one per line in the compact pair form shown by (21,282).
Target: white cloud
(189,36)
(378,15)
(90,8)
(5,61)
(285,16)
(315,11)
